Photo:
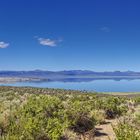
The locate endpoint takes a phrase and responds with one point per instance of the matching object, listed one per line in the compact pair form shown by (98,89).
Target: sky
(98,35)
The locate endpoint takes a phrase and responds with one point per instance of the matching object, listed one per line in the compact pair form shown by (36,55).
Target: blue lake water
(95,85)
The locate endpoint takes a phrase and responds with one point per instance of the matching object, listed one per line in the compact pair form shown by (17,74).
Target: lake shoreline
(124,94)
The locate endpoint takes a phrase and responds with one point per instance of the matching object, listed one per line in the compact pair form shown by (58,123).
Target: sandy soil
(105,131)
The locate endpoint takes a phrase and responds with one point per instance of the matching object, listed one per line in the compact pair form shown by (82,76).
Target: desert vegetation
(56,114)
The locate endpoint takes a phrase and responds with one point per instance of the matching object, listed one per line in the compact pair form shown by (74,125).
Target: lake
(102,85)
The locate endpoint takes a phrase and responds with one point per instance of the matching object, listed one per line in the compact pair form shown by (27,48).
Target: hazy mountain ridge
(68,73)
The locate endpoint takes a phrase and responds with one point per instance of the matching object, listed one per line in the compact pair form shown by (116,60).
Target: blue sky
(99,35)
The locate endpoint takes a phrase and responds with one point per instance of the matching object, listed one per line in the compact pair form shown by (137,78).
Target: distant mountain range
(69,74)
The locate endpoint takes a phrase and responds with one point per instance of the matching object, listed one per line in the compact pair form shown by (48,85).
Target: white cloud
(48,42)
(3,45)
(105,29)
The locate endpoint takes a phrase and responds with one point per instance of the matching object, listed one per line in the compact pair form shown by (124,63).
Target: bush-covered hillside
(55,114)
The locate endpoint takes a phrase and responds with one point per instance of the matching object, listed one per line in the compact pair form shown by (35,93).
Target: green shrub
(78,114)
(125,131)
(113,107)
(40,115)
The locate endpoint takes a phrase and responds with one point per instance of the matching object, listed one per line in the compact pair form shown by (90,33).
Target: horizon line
(69,70)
